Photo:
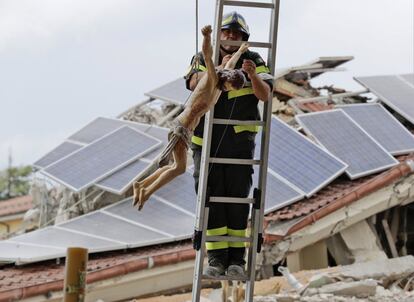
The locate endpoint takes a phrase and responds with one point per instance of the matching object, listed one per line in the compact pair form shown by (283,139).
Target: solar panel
(57,153)
(302,163)
(382,126)
(394,91)
(119,181)
(101,158)
(279,193)
(344,138)
(122,179)
(157,215)
(104,225)
(23,253)
(59,238)
(408,77)
(102,126)
(174,91)
(180,192)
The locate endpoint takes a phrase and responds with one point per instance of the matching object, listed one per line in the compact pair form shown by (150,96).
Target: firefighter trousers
(226,218)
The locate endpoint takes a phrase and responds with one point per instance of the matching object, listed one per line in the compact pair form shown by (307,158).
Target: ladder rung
(248,4)
(251,44)
(231,200)
(224,277)
(235,161)
(228,238)
(236,122)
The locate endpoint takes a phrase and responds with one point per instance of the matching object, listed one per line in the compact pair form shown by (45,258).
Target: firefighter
(230,141)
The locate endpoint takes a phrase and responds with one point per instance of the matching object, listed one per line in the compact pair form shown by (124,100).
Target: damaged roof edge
(373,185)
(162,259)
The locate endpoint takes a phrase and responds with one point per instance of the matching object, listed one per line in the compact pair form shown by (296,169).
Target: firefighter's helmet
(236,21)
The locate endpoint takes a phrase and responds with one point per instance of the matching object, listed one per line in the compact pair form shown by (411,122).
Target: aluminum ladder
(257,202)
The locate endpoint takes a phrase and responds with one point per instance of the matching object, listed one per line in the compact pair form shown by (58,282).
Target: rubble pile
(153,113)
(375,281)
(53,204)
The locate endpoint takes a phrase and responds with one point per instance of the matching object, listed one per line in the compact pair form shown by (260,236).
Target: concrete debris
(152,113)
(320,280)
(360,289)
(384,270)
(381,295)
(360,282)
(57,204)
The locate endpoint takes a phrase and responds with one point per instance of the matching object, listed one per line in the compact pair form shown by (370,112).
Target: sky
(65,62)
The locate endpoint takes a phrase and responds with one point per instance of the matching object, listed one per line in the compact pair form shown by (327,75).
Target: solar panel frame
(307,193)
(62,150)
(350,175)
(114,169)
(157,93)
(392,119)
(398,106)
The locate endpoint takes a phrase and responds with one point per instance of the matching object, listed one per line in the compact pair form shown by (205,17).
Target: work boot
(235,270)
(214,271)
(217,263)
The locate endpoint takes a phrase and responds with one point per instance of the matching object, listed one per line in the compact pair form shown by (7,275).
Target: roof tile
(15,205)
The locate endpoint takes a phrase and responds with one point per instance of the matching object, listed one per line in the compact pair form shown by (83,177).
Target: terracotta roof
(17,283)
(15,205)
(329,194)
(315,106)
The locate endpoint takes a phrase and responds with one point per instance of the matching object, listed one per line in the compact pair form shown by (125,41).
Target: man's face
(232,35)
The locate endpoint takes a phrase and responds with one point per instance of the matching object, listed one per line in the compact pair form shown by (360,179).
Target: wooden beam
(390,240)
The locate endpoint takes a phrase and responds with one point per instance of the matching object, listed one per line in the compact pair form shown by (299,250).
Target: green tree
(15,181)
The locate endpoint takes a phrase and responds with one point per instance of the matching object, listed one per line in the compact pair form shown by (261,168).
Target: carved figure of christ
(204,97)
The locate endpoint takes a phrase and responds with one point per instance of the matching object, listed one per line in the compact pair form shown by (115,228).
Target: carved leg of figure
(177,168)
(138,185)
(151,178)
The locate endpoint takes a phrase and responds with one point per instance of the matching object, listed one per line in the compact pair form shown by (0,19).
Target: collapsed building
(339,221)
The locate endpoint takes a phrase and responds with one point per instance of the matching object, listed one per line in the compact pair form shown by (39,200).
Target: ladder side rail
(257,218)
(202,211)
(199,262)
(217,30)
(273,35)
